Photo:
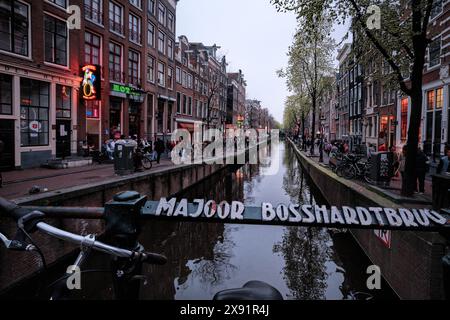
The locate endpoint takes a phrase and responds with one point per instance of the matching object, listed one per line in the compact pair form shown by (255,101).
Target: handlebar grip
(10,209)
(153,258)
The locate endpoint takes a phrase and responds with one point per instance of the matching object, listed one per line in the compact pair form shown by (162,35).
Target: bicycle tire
(147,163)
(349,172)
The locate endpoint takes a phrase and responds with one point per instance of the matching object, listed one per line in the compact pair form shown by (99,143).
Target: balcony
(93,14)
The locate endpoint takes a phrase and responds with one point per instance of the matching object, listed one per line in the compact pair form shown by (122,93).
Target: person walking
(402,168)
(159,148)
(444,164)
(421,170)
(2,149)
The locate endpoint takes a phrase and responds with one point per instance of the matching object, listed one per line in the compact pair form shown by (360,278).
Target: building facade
(49,103)
(236,100)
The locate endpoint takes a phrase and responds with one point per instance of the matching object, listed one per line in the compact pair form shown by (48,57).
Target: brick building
(236,100)
(435,131)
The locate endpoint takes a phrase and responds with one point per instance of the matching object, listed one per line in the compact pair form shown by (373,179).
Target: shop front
(37,117)
(127,123)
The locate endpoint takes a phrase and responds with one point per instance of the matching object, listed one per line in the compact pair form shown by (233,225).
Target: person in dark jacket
(421,170)
(159,148)
(444,164)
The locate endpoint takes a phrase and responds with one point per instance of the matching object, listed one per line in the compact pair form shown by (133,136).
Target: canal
(302,263)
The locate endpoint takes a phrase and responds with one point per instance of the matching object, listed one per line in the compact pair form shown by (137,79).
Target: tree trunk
(313,126)
(414,125)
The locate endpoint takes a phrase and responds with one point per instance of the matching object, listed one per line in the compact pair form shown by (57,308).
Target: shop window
(93,109)
(63,102)
(5,94)
(34,112)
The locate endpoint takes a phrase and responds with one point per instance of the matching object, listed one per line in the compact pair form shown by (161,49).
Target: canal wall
(17,267)
(412,264)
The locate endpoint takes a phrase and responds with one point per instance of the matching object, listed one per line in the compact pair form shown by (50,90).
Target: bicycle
(127,255)
(354,167)
(147,161)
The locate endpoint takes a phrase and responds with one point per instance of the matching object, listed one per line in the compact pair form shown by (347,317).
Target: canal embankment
(161,182)
(409,261)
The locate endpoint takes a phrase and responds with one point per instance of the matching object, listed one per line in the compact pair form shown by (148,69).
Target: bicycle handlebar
(102,247)
(16,212)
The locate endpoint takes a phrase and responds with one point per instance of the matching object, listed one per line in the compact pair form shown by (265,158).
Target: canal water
(302,263)
(205,258)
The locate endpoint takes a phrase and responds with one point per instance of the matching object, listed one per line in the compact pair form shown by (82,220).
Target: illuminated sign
(125,90)
(299,215)
(91,85)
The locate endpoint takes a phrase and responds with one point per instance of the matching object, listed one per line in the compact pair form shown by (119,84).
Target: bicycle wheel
(368,175)
(147,163)
(349,172)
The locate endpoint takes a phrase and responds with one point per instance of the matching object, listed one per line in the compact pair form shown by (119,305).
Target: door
(7,161)
(63,138)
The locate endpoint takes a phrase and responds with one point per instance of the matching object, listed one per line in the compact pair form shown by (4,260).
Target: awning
(186,126)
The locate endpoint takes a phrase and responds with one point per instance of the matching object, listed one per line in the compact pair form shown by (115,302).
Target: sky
(254,37)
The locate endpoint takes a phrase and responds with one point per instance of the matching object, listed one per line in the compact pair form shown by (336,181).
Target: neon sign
(91,85)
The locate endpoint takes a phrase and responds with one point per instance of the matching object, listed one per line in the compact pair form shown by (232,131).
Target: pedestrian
(402,168)
(159,148)
(395,161)
(2,149)
(421,171)
(444,164)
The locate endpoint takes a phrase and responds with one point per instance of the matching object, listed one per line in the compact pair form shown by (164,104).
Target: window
(116,18)
(190,106)
(434,56)
(162,14)
(404,119)
(63,102)
(34,112)
(14,27)
(151,69)
(93,109)
(135,28)
(189,81)
(133,67)
(151,7)
(170,49)
(60,3)
(94,10)
(55,41)
(178,75)
(184,104)
(184,79)
(430,100)
(170,78)
(178,102)
(439,98)
(161,42)
(436,9)
(161,74)
(5,94)
(92,49)
(136,3)
(170,22)
(115,62)
(151,35)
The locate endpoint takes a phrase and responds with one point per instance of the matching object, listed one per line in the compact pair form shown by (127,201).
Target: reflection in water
(302,263)
(204,258)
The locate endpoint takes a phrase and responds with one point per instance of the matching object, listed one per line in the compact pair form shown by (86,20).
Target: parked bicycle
(353,166)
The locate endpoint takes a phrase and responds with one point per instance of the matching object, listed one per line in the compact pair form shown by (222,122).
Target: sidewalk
(393,191)
(17,184)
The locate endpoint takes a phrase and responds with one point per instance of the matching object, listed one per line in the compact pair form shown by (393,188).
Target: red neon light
(91,67)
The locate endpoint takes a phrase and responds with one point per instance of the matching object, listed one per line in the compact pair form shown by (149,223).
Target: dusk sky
(253,36)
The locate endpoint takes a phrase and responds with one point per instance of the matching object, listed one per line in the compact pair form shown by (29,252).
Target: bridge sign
(298,215)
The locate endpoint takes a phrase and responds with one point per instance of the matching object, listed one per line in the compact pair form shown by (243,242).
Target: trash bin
(441,191)
(382,167)
(123,159)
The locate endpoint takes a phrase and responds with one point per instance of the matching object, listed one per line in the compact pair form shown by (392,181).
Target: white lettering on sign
(374,217)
